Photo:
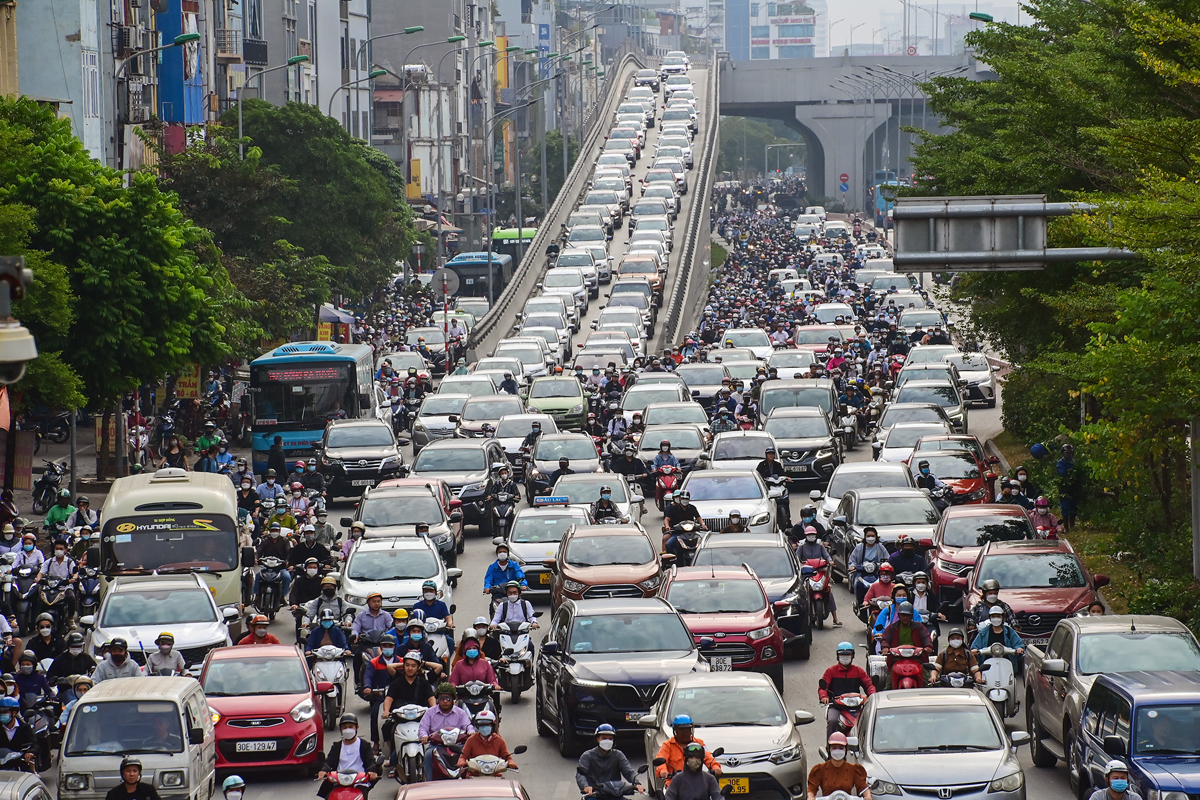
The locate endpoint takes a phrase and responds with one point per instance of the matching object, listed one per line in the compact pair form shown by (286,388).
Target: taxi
(535,535)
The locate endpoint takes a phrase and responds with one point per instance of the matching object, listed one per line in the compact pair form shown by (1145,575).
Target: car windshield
(944,396)
(1032,571)
(587,492)
(796,396)
(1135,651)
(564,387)
(525,354)
(767,562)
(124,727)
(806,336)
(716,596)
(907,437)
(585,235)
(360,436)
(797,427)
(435,406)
(720,706)
(925,318)
(917,729)
(968,362)
(563,279)
(723,487)
(391,565)
(384,512)
(1168,730)
(680,438)
(578,448)
(919,355)
(952,466)
(975,531)
(432,336)
(700,376)
(598,551)
(629,633)
(792,358)
(671,152)
(654,224)
(731,447)
(490,407)
(577,259)
(674,415)
(474,387)
(555,321)
(542,527)
(126,609)
(637,399)
(244,677)
(450,459)
(515,426)
(898,511)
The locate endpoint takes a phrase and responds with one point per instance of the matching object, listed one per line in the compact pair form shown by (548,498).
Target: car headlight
(786,754)
(650,584)
(473,487)
(1155,794)
(331,462)
(880,786)
(824,453)
(978,494)
(1009,783)
(577,409)
(389,461)
(534,472)
(761,519)
(214,714)
(442,537)
(356,600)
(761,633)
(420,426)
(581,683)
(304,710)
(76,783)
(573,586)
(172,778)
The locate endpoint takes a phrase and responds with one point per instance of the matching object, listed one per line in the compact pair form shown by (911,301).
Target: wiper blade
(953,747)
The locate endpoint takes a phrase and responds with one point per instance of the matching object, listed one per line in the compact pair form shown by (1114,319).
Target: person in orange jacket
(672,751)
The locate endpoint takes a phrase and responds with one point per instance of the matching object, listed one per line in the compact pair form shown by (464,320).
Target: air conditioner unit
(128,41)
(416,73)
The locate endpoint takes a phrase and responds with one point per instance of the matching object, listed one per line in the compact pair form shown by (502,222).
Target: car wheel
(803,648)
(451,558)
(567,746)
(775,673)
(1038,753)
(462,545)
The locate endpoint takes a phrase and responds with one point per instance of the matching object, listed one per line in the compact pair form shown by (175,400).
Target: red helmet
(299,465)
(297,486)
(886,567)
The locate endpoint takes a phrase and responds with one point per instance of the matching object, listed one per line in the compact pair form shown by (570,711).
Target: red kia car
(961,469)
(961,535)
(266,707)
(729,605)
(1043,580)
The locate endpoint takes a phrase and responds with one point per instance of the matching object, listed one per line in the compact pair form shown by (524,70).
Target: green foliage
(554,162)
(1038,405)
(745,136)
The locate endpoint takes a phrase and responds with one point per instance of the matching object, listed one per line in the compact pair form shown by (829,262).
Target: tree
(745,136)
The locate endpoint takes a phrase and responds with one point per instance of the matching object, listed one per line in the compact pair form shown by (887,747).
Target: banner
(325,332)
(188,385)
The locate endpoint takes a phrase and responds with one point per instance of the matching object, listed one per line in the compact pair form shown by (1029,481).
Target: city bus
(885,200)
(474,275)
(504,240)
(298,387)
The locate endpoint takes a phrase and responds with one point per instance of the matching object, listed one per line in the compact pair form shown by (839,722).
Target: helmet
(808,511)
(311,561)
(83,679)
(74,639)
(9,702)
(1116,765)
(348,719)
(664,442)
(906,539)
(297,486)
(954,631)
(837,738)
(919,575)
(844,646)
(1042,502)
(681,721)
(413,655)
(259,619)
(904,608)
(165,635)
(922,464)
(606,728)
(115,643)
(512,585)
(445,687)
(130,761)
(693,750)
(82,499)
(995,611)
(45,617)
(429,585)
(486,715)
(232,782)
(605,488)
(329,580)
(64,493)
(886,567)
(416,622)
(299,465)
(399,613)
(990,585)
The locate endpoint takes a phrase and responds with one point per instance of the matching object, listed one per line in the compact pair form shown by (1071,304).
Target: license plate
(798,468)
(363,482)
(634,716)
(544,578)
(736,785)
(255,747)
(721,663)
(1038,641)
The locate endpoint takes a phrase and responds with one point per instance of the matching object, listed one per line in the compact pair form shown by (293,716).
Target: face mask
(165,649)
(26,669)
(837,754)
(605,496)
(885,578)
(871,539)
(60,554)
(693,764)
(481,631)
(45,631)
(512,598)
(1022,478)
(924,470)
(388,651)
(328,591)
(1119,785)
(416,637)
(683,503)
(312,572)
(922,587)
(606,744)
(502,557)
(321,520)
(666,449)
(276,534)
(270,481)
(245,486)
(735,520)
(74,650)
(261,633)
(326,623)
(296,495)
(808,517)
(6,718)
(233,794)
(472,653)
(956,643)
(811,538)
(991,598)
(349,733)
(429,595)
(997,621)
(845,660)
(485,730)
(28,548)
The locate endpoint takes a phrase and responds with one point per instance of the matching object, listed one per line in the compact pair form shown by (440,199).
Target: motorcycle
(816,571)
(944,496)
(908,668)
(515,667)
(270,586)
(847,427)
(999,679)
(45,491)
(863,579)
(475,696)
(956,680)
(42,717)
(438,631)
(668,478)
(406,743)
(492,766)
(783,503)
(687,539)
(503,511)
(348,785)
(329,666)
(446,751)
(14,761)
(615,790)
(848,706)
(24,585)
(52,599)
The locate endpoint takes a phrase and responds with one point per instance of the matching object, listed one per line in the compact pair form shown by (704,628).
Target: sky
(871,15)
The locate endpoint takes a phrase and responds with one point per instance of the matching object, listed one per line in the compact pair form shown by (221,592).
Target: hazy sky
(875,14)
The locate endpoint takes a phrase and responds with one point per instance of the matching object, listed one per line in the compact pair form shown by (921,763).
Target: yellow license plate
(737,785)
(544,577)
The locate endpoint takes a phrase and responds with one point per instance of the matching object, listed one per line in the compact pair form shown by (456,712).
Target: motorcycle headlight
(825,453)
(1009,783)
(786,754)
(573,586)
(173,778)
(577,409)
(650,584)
(880,786)
(761,633)
(304,710)
(76,783)
(356,600)
(761,519)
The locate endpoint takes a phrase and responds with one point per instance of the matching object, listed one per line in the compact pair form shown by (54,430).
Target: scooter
(615,790)
(999,679)
(515,673)
(492,766)
(42,718)
(847,427)
(52,599)
(475,696)
(14,761)
(25,584)
(446,751)
(687,539)
(863,579)
(270,586)
(817,583)
(330,667)
(437,630)
(45,491)
(503,512)
(348,785)
(406,743)
(667,480)
(956,680)
(908,669)
(848,705)
(783,503)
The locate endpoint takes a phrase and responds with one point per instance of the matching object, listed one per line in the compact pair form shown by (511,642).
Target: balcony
(229,46)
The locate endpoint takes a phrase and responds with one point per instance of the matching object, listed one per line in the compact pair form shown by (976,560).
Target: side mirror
(87,621)
(806,571)
(497,540)
(454,572)
(404,442)
(195,735)
(1115,746)
(815,495)
(1101,581)
(839,521)
(993,459)
(991,476)
(324,687)
(707,642)
(720,751)
(364,403)
(775,492)
(1019,738)
(550,564)
(926,542)
(229,613)
(648,721)
(1055,668)
(550,648)
(452,418)
(960,583)
(347,522)
(247,557)
(456,515)
(802,717)
(93,556)
(668,559)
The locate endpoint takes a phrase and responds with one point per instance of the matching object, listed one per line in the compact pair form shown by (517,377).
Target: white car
(473,385)
(738,450)
(980,375)
(753,339)
(819,211)
(902,438)
(583,489)
(857,475)
(568,282)
(716,492)
(395,568)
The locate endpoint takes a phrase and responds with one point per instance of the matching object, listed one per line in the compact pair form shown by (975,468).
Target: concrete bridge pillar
(842,130)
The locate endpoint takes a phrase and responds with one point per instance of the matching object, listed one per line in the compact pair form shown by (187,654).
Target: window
(1095,709)
(796,50)
(91,83)
(760,31)
(366,125)
(290,42)
(772,9)
(754,9)
(253,19)
(763,52)
(795,31)
(1055,647)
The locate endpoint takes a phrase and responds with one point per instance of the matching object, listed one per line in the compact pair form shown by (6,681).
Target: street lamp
(375,73)
(358,60)
(404,94)
(181,39)
(441,247)
(291,62)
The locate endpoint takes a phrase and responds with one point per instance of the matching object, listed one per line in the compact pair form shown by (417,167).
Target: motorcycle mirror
(727,790)
(404,442)
(497,540)
(247,557)
(519,749)
(658,762)
(346,522)
(453,608)
(644,768)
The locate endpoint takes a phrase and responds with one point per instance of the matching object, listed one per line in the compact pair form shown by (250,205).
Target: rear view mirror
(195,735)
(247,557)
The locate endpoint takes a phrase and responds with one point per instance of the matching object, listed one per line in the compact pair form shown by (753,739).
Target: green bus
(504,240)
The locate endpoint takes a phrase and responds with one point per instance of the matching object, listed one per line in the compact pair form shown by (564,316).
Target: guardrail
(694,260)
(498,321)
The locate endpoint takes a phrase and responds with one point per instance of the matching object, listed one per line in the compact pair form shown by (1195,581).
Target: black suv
(806,444)
(355,454)
(647,77)
(608,661)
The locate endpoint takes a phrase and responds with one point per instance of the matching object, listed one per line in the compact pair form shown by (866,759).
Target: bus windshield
(303,392)
(168,541)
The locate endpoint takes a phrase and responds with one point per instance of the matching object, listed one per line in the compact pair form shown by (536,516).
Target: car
(857,475)
(568,282)
(929,371)
(433,418)
(480,411)
(1059,680)
(356,453)
(715,493)
(737,450)
(923,743)
(961,470)
(608,661)
(730,604)
(683,142)
(577,254)
(753,339)
(807,446)
(475,384)
(676,413)
(475,305)
(395,511)
(557,338)
(625,147)
(898,443)
(604,560)
(248,687)
(641,395)
(532,353)
(961,534)
(827,313)
(511,431)
(403,360)
(688,443)
(818,338)
(543,459)
(181,604)
(954,441)
(667,195)
(561,397)
(1043,581)
(894,513)
(552,303)
(799,392)
(535,535)
(940,392)
(980,375)
(467,466)
(927,318)
(581,490)
(646,77)
(929,352)
(396,568)
(633,265)
(788,362)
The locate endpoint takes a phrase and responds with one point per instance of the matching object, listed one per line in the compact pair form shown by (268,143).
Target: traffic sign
(844,178)
(845,187)
(444,281)
(912,51)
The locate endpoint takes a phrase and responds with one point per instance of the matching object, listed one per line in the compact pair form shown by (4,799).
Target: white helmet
(487,715)
(1116,765)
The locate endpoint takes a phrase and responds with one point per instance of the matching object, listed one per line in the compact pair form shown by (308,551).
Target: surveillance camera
(16,348)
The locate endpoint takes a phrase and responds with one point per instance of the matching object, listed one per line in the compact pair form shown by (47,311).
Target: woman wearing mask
(470,665)
(868,551)
(956,658)
(174,456)
(29,554)
(485,741)
(837,774)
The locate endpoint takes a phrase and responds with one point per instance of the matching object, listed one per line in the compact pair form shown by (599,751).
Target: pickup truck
(1058,679)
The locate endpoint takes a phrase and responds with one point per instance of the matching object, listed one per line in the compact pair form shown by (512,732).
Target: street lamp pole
(358,60)
(441,245)
(375,73)
(181,39)
(291,62)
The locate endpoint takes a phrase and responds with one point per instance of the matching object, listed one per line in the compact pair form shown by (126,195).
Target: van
(165,722)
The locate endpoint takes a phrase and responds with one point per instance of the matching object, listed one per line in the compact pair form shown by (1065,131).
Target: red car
(816,338)
(266,707)
(961,535)
(1043,581)
(729,605)
(961,469)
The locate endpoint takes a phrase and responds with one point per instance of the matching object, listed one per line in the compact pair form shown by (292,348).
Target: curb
(992,449)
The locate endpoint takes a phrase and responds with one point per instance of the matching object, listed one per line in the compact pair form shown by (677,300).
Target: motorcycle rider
(808,519)
(326,533)
(61,511)
(1043,517)
(844,677)
(906,559)
(920,597)
(736,525)
(535,430)
(408,686)
(904,631)
(1010,495)
(672,750)
(956,658)
(634,469)
(28,554)
(1116,776)
(258,633)
(636,425)
(811,548)
(46,644)
(84,515)
(377,675)
(460,367)
(693,782)
(490,645)
(414,640)
(305,589)
(325,633)
(308,549)
(618,426)
(991,599)
(504,484)
(1028,487)
(327,600)
(430,606)
(350,754)
(73,662)
(485,741)
(838,774)
(508,385)
(470,664)
(868,550)
(269,489)
(681,510)
(444,715)
(274,544)
(564,468)
(233,788)
(118,664)
(998,632)
(313,479)
(9,538)
(514,609)
(723,422)
(664,457)
(604,764)
(63,567)
(167,658)
(500,572)
(594,428)
(29,681)
(926,479)
(604,508)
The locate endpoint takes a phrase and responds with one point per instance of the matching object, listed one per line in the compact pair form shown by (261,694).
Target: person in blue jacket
(326,632)
(888,615)
(999,632)
(501,571)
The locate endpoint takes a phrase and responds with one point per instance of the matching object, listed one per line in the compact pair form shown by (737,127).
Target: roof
(1158,686)
(930,696)
(621,605)
(187,580)
(466,790)
(890,491)
(713,573)
(984,510)
(734,678)
(394,543)
(872,466)
(744,540)
(797,411)
(257,651)
(141,688)
(357,423)
(450,444)
(168,489)
(1114,623)
(1027,547)
(607,530)
(300,351)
